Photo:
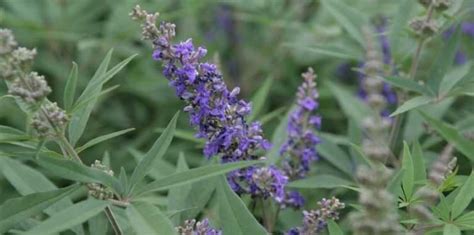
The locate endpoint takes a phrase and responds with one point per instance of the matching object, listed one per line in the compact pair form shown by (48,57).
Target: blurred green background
(255,40)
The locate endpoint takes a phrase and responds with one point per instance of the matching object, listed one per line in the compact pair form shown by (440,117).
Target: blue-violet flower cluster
(315,221)
(217,113)
(299,150)
(191,227)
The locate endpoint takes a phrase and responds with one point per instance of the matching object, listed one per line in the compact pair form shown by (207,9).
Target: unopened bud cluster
(97,190)
(429,194)
(376,126)
(315,221)
(191,227)
(30,88)
(379,215)
(425,26)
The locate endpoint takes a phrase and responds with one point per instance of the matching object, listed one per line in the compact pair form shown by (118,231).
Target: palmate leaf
(452,135)
(418,162)
(451,229)
(236,219)
(27,180)
(81,115)
(193,175)
(17,210)
(77,172)
(156,152)
(466,221)
(69,217)
(147,219)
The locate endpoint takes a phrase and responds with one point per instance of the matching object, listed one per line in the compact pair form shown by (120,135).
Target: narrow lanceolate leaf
(156,152)
(348,17)
(236,219)
(466,220)
(454,77)
(102,138)
(452,135)
(258,100)
(70,89)
(409,85)
(354,108)
(69,217)
(395,184)
(81,116)
(193,175)
(412,104)
(408,180)
(334,229)
(177,196)
(464,197)
(320,181)
(278,138)
(418,162)
(77,172)
(399,24)
(19,209)
(451,229)
(444,60)
(332,153)
(27,180)
(327,50)
(147,219)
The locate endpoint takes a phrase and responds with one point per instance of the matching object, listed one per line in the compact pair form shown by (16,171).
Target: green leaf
(408,180)
(81,116)
(178,196)
(320,181)
(18,209)
(451,229)
(258,100)
(27,180)
(193,175)
(70,89)
(399,24)
(453,77)
(348,17)
(236,219)
(351,106)
(156,152)
(335,155)
(83,103)
(411,104)
(102,138)
(327,50)
(418,162)
(184,135)
(77,172)
(408,84)
(334,229)
(466,220)
(278,138)
(147,219)
(98,225)
(452,135)
(464,197)
(395,184)
(444,60)
(69,217)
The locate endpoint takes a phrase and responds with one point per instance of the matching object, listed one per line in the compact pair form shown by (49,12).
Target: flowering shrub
(393,155)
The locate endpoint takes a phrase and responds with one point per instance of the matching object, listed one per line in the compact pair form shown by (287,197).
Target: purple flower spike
(218,115)
(299,151)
